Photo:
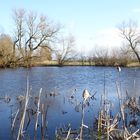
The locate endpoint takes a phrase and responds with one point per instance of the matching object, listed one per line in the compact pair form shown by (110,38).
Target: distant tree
(100,57)
(45,53)
(31,32)
(119,56)
(65,51)
(5,50)
(130,33)
(82,58)
(90,59)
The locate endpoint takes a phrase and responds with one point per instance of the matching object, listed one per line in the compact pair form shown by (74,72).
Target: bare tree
(119,56)
(31,32)
(101,56)
(82,58)
(130,33)
(65,51)
(45,53)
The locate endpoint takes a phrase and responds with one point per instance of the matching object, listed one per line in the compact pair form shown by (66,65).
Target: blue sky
(92,22)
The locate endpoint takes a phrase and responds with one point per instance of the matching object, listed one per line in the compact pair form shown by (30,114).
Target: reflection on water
(62,93)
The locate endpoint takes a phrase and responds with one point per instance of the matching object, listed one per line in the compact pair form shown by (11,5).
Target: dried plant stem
(100,125)
(132,135)
(37,114)
(42,123)
(108,124)
(13,124)
(121,106)
(68,134)
(82,122)
(20,132)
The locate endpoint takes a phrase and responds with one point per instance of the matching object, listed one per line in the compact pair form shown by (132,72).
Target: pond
(68,84)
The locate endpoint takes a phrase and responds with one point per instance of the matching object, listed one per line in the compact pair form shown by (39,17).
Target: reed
(21,127)
(14,120)
(37,113)
(86,96)
(108,127)
(82,122)
(68,134)
(42,121)
(99,126)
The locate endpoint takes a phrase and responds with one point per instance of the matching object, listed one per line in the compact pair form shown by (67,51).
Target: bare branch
(130,33)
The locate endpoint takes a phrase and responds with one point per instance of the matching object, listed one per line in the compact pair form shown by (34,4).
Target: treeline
(104,57)
(128,53)
(10,56)
(37,39)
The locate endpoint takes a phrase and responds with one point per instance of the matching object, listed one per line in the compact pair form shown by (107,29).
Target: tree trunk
(14,56)
(136,53)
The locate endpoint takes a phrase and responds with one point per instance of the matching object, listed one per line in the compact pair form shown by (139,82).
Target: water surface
(66,81)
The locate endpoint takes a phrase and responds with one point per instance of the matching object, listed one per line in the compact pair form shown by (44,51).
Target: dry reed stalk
(115,122)
(86,95)
(82,123)
(107,118)
(42,122)
(29,119)
(45,118)
(121,106)
(134,135)
(68,134)
(126,134)
(20,132)
(108,124)
(100,125)
(13,124)
(37,114)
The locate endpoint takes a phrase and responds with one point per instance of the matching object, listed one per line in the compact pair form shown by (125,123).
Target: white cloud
(104,39)
(108,37)
(136,10)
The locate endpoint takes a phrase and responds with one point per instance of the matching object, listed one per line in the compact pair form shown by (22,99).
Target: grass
(68,63)
(133,64)
(80,63)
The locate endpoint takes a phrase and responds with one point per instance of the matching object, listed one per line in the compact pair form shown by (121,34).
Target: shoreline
(73,64)
(76,63)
